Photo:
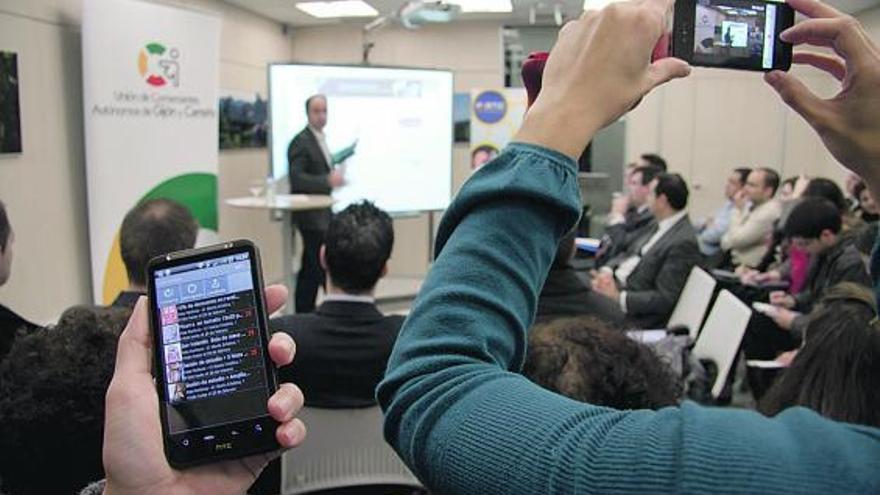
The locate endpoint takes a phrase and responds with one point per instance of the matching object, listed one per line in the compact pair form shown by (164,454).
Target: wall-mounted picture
(10,118)
(461,117)
(244,120)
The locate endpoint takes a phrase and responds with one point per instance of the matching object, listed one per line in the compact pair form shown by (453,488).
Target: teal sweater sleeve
(464,420)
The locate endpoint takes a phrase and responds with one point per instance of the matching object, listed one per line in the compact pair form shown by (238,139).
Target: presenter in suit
(309,163)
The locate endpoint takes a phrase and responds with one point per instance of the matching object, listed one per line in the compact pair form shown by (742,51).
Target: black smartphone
(732,34)
(213,371)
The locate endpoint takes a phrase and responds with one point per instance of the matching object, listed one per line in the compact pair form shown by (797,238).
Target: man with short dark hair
(309,161)
(12,324)
(653,160)
(630,218)
(814,225)
(152,228)
(648,281)
(711,232)
(754,215)
(342,347)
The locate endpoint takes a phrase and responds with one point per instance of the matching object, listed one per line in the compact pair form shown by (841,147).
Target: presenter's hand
(134,459)
(336,178)
(849,123)
(598,69)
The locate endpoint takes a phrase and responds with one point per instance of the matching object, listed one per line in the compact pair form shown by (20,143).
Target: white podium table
(285,204)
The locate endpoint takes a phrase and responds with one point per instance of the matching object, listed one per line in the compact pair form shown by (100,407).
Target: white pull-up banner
(150,77)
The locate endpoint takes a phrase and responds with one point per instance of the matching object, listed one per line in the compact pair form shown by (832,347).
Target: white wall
(44,187)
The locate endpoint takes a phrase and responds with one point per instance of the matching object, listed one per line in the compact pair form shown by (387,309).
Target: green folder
(344,154)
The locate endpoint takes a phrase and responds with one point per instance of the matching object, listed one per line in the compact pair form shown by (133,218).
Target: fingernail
(785,34)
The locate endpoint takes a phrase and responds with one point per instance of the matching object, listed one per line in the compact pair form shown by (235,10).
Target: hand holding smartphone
(213,371)
(732,34)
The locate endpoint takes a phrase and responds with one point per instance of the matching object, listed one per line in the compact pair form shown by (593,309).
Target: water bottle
(270,191)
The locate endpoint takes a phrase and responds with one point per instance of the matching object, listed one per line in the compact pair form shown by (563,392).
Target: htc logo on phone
(223,446)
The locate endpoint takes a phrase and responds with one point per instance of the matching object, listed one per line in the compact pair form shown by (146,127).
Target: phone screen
(737,34)
(212,356)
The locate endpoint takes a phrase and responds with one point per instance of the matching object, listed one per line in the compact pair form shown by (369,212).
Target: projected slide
(736,34)
(400,120)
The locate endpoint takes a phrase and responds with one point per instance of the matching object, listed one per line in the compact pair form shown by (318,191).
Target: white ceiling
(285,12)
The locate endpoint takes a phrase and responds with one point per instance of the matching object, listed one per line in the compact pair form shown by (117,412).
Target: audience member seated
(836,371)
(652,160)
(711,232)
(52,388)
(814,226)
(821,187)
(11,324)
(152,228)
(649,279)
(868,209)
(753,217)
(565,293)
(343,346)
(586,360)
(849,185)
(630,219)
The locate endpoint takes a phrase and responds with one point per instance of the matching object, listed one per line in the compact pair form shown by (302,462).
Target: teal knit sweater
(462,417)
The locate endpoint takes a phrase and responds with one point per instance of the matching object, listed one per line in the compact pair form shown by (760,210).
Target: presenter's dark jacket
(653,287)
(11,327)
(307,172)
(620,237)
(342,349)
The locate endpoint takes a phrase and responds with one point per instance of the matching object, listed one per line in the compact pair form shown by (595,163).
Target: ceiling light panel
(482,6)
(342,8)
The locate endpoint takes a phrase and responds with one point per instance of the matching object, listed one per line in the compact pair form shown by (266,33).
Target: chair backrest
(721,336)
(693,302)
(344,448)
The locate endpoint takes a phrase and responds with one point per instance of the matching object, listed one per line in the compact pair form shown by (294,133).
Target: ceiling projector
(416,13)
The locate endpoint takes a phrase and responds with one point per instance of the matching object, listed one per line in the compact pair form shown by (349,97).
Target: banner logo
(158,65)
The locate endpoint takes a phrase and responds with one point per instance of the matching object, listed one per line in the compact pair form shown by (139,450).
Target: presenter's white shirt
(322,143)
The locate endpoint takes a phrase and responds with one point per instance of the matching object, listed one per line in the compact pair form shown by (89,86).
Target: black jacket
(12,326)
(341,352)
(307,173)
(839,263)
(620,238)
(652,289)
(127,299)
(565,295)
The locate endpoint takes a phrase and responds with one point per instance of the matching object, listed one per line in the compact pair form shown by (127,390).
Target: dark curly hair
(52,388)
(586,360)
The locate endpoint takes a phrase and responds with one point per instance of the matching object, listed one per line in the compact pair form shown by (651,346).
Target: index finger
(814,8)
(842,34)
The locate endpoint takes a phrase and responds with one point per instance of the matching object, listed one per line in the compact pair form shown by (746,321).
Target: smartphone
(213,371)
(732,34)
